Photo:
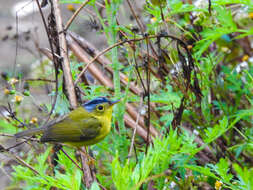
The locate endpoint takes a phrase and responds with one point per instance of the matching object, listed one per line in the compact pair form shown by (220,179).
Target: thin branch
(13,116)
(40,79)
(22,162)
(25,138)
(134,132)
(9,148)
(140,24)
(103,60)
(6,135)
(210,7)
(120,43)
(48,53)
(133,113)
(147,122)
(71,159)
(93,69)
(54,60)
(136,18)
(16,48)
(75,14)
(138,73)
(131,123)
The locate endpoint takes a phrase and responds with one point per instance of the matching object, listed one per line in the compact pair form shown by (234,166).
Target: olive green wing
(72,130)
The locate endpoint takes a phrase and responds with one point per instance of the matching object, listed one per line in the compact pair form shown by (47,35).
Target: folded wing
(69,130)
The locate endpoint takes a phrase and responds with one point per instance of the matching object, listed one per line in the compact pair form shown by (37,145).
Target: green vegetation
(194,71)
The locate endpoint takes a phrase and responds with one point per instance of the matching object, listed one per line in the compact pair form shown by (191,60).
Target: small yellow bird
(161,3)
(86,125)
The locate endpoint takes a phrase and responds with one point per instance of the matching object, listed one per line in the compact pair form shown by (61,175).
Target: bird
(86,125)
(159,3)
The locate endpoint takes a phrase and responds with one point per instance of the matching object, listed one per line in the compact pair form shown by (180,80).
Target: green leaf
(6,127)
(245,177)
(203,170)
(94,186)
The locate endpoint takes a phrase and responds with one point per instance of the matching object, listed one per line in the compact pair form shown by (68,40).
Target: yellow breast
(104,131)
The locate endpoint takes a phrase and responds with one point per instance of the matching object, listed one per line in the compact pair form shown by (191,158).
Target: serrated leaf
(203,170)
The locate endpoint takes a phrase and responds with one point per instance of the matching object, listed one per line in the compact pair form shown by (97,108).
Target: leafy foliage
(211,147)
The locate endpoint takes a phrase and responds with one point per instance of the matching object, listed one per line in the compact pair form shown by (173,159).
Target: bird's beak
(114,102)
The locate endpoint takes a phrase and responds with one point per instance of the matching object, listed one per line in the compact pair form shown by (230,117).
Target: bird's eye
(100,108)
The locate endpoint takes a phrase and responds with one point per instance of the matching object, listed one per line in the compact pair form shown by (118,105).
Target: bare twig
(93,51)
(48,53)
(120,43)
(54,60)
(75,14)
(71,159)
(136,17)
(134,132)
(6,135)
(133,113)
(131,123)
(147,119)
(95,71)
(40,79)
(210,7)
(14,146)
(12,114)
(24,163)
(101,53)
(140,24)
(25,138)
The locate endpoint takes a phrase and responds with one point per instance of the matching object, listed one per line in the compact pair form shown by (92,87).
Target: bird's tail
(29,132)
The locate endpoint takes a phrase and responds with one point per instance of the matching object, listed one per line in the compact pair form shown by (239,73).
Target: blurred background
(21,20)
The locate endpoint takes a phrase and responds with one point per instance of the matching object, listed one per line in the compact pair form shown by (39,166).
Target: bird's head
(100,106)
